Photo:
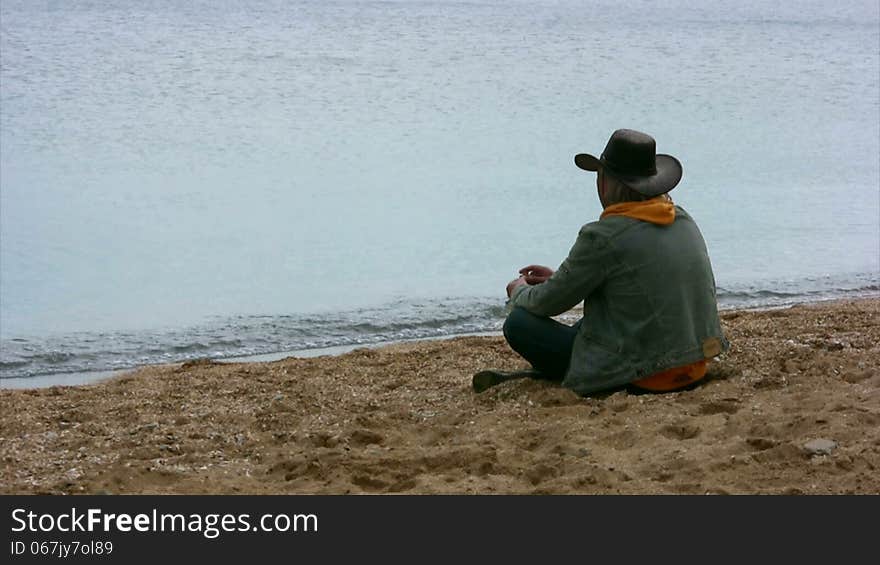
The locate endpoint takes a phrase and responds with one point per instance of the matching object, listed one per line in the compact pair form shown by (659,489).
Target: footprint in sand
(680,431)
(368,483)
(361,438)
(761,443)
(719,407)
(540,473)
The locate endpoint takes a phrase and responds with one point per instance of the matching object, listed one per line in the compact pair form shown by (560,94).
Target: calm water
(184,179)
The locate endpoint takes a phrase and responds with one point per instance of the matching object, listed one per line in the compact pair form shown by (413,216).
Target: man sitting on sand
(643,272)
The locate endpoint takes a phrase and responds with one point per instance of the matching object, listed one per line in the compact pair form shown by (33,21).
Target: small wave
(190,348)
(776,293)
(753,294)
(54,357)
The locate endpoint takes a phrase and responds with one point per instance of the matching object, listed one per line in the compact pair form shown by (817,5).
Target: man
(643,272)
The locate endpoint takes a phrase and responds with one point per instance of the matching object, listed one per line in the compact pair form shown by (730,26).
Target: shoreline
(80,378)
(792,408)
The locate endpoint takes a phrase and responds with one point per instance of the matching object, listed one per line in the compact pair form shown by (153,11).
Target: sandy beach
(793,408)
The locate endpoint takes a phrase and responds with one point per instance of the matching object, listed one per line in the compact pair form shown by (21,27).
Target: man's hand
(511,286)
(536,274)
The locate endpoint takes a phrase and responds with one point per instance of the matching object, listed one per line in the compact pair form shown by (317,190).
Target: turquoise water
(185,179)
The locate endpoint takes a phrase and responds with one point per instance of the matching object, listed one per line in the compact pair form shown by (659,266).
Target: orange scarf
(659,210)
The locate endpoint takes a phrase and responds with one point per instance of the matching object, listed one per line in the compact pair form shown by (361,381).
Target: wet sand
(793,408)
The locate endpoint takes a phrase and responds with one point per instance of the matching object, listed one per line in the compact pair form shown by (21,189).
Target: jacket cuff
(511,302)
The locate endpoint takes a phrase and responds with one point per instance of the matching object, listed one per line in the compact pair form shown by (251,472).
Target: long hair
(617,192)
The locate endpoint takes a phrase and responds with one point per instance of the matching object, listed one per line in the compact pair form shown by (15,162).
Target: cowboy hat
(631,157)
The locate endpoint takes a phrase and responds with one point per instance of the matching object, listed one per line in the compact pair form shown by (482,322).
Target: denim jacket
(649,300)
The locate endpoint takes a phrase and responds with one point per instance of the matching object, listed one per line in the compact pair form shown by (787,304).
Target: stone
(820,446)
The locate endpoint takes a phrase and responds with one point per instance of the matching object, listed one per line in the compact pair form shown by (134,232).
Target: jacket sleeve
(582,271)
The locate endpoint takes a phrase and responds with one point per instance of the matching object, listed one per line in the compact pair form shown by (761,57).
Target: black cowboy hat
(631,157)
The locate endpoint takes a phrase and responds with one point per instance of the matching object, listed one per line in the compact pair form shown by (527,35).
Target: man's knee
(516,325)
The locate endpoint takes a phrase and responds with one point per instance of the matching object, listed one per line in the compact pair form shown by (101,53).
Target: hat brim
(587,162)
(669,172)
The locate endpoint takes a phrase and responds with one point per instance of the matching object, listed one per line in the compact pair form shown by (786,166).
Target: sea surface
(188,178)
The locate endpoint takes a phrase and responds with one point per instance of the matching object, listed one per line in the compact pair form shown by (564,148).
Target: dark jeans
(543,342)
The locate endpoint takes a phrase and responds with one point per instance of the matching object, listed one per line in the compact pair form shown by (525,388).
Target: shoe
(487,379)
